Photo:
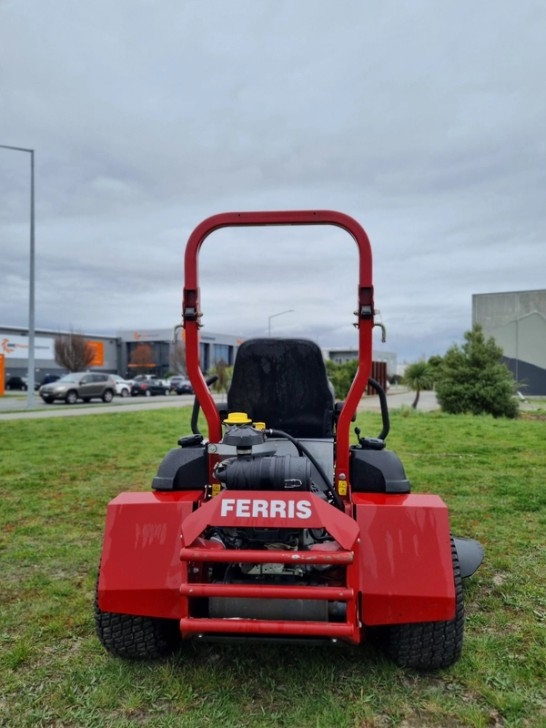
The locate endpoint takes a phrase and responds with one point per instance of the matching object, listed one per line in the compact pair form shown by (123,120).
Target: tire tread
(134,637)
(430,645)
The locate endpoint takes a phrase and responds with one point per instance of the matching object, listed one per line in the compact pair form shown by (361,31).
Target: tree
(177,358)
(341,376)
(73,352)
(435,364)
(473,378)
(223,372)
(142,358)
(417,377)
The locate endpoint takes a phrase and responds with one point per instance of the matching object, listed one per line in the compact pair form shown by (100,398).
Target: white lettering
(277,509)
(243,508)
(303,509)
(227,505)
(260,508)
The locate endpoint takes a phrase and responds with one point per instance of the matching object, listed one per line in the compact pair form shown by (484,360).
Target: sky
(425,121)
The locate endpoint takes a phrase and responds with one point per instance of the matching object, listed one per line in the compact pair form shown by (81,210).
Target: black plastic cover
(470,554)
(182,469)
(377,471)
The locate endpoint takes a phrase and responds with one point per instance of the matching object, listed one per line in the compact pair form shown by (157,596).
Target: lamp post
(273,315)
(31,378)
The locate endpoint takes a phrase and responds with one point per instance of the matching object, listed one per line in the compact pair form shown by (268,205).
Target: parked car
(20,383)
(175,379)
(80,385)
(149,387)
(123,386)
(48,379)
(180,385)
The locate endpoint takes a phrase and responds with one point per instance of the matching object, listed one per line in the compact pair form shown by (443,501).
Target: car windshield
(70,378)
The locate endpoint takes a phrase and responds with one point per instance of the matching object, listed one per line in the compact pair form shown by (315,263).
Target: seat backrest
(283,382)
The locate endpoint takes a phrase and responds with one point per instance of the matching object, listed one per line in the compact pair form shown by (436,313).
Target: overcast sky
(424,120)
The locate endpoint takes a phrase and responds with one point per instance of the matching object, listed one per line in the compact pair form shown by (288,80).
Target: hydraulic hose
(302,450)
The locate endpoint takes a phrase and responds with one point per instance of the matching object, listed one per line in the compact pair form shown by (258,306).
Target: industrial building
(517,322)
(156,351)
(389,358)
(164,343)
(14,345)
(152,350)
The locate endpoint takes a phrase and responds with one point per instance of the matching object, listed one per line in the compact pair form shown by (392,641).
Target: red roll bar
(191,311)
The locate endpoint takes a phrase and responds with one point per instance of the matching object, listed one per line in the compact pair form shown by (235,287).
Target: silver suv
(80,385)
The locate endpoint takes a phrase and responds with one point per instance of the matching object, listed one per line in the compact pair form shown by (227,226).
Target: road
(13,406)
(398,397)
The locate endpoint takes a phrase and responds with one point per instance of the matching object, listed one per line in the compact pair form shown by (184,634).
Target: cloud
(424,121)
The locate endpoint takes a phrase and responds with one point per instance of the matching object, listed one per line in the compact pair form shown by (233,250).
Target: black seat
(283,382)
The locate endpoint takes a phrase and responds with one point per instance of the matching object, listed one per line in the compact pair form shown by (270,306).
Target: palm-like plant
(417,377)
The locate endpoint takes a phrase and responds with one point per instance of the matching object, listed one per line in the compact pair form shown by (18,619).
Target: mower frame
(391,563)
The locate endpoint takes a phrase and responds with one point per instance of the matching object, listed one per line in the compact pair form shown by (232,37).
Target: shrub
(474,379)
(341,376)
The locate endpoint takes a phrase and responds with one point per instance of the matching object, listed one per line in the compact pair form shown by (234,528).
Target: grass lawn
(57,476)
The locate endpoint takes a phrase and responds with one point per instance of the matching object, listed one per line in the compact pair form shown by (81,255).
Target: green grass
(57,475)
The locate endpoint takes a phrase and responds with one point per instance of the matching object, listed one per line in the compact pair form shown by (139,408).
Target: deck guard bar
(238,509)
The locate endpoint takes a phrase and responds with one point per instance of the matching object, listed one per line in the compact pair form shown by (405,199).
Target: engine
(276,472)
(248,462)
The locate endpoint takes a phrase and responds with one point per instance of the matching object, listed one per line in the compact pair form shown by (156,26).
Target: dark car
(19,383)
(48,379)
(181,386)
(149,388)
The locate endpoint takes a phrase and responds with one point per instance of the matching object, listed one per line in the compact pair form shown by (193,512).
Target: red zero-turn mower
(276,527)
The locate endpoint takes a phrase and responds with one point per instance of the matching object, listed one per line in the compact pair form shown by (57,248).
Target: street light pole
(281,313)
(31,326)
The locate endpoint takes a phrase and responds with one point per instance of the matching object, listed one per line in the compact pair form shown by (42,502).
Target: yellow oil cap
(237,418)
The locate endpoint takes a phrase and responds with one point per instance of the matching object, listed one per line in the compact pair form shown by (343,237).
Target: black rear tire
(429,645)
(136,638)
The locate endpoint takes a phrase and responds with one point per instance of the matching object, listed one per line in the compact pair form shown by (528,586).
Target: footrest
(189,625)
